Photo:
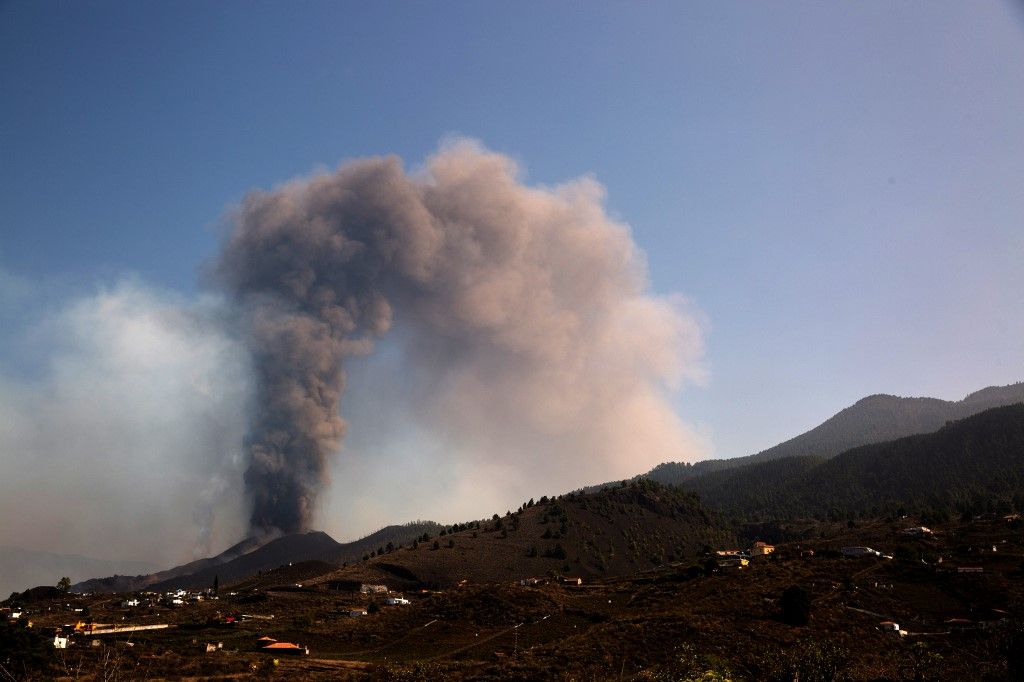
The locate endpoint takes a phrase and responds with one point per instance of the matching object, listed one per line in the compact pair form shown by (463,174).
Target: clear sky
(836,187)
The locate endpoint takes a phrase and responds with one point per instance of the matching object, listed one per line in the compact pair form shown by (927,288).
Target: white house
(60,642)
(397,601)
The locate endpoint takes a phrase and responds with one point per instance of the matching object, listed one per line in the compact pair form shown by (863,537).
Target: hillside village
(877,600)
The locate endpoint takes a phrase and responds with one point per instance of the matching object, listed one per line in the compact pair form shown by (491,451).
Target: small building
(532,582)
(285,648)
(572,580)
(357,613)
(397,601)
(917,531)
(889,626)
(859,552)
(60,642)
(128,603)
(373,589)
(761,549)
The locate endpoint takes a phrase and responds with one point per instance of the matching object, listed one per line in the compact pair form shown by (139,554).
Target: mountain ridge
(253,555)
(874,418)
(972,465)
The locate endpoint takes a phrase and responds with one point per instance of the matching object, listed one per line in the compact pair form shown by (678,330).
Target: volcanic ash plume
(522,314)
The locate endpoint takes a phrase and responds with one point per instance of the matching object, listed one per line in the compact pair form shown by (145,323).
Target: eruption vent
(523,316)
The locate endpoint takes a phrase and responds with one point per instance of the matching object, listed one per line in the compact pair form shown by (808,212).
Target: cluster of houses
(738,558)
(369,589)
(182,597)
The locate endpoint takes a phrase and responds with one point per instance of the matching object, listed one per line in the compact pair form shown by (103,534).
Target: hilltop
(619,530)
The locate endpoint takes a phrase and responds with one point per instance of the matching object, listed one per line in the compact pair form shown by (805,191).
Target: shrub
(796,605)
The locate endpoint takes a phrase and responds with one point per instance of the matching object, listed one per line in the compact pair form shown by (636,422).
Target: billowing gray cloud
(522,315)
(125,441)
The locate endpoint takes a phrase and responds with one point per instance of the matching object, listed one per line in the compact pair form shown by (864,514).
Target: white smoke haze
(529,347)
(127,443)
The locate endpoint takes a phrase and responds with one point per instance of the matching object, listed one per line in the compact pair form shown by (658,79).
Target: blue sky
(835,186)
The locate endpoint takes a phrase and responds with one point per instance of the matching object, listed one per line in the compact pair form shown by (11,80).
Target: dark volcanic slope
(617,531)
(282,551)
(250,557)
(874,419)
(976,464)
(129,583)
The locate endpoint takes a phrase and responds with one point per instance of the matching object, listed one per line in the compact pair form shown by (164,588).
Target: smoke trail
(524,310)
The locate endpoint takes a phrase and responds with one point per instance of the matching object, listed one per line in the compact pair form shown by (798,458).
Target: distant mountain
(22,568)
(874,419)
(973,465)
(132,583)
(616,531)
(251,556)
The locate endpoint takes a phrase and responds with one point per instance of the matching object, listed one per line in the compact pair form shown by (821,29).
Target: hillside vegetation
(617,531)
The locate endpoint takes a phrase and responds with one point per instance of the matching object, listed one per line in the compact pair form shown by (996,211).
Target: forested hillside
(618,530)
(970,466)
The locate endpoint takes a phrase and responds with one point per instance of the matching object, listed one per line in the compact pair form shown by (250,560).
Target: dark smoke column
(303,272)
